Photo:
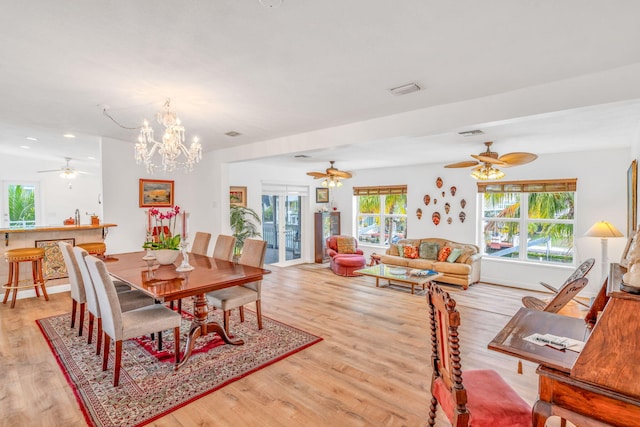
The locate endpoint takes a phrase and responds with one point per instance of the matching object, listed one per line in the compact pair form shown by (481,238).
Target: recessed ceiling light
(31,138)
(69,135)
(26,147)
(233,133)
(405,89)
(471,132)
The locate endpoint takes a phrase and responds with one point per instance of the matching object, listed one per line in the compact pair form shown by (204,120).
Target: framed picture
(322,195)
(632,198)
(54,266)
(156,193)
(238,196)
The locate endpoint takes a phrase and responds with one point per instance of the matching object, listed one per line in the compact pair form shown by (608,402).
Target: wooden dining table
(165,284)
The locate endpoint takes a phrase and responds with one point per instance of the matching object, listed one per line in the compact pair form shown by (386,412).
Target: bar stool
(94,248)
(14,257)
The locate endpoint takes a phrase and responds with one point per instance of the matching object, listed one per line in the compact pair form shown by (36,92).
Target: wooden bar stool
(14,257)
(94,248)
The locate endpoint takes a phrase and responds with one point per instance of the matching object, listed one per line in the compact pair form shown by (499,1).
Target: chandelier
(487,172)
(171,146)
(331,181)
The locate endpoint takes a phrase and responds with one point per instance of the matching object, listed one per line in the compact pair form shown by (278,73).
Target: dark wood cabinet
(325,224)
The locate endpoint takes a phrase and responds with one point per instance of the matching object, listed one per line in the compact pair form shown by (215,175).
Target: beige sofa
(463,271)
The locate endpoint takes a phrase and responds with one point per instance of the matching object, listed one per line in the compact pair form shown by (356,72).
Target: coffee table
(398,274)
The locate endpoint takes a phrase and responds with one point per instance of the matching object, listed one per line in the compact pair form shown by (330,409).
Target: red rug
(149,387)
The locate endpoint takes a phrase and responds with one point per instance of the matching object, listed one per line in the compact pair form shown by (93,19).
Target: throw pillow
(444,253)
(454,255)
(401,250)
(410,252)
(393,250)
(465,255)
(429,250)
(346,245)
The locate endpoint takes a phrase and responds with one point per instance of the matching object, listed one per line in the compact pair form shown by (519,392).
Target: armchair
(344,255)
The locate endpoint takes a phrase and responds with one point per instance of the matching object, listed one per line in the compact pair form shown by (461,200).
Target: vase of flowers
(161,237)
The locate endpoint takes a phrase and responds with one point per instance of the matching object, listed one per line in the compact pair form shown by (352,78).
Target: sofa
(459,264)
(344,255)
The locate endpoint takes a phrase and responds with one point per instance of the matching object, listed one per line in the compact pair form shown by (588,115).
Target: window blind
(380,190)
(529,186)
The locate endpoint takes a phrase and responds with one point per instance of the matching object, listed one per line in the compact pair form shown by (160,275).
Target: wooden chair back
(201,243)
(445,357)
(580,272)
(565,294)
(224,247)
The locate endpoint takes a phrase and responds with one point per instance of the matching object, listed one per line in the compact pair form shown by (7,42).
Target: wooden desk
(164,283)
(585,388)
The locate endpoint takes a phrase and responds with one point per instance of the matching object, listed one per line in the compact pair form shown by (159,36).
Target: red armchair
(345,256)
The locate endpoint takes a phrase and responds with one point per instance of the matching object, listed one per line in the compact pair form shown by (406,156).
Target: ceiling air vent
(471,132)
(233,133)
(405,89)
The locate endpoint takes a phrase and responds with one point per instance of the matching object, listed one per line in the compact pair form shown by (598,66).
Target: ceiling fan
(486,162)
(332,176)
(66,172)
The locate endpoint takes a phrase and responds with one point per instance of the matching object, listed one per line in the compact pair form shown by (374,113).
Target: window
(381,214)
(528,220)
(20,199)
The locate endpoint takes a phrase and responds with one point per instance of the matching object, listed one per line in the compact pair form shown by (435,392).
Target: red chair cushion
(492,402)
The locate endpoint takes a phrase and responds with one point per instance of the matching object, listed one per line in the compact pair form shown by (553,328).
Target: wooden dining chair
(227,299)
(483,398)
(119,325)
(201,243)
(580,272)
(224,247)
(129,299)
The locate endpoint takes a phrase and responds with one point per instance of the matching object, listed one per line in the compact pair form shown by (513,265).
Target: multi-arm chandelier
(171,146)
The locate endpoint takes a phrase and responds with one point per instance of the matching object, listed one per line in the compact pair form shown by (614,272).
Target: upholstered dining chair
(227,299)
(538,304)
(483,398)
(201,243)
(224,247)
(78,295)
(119,325)
(128,299)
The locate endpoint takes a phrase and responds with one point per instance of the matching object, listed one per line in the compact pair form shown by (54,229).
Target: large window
(528,220)
(381,214)
(20,201)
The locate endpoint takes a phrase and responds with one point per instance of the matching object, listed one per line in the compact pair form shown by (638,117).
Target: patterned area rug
(149,387)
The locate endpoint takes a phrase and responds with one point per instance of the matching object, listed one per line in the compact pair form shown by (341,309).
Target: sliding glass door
(282,224)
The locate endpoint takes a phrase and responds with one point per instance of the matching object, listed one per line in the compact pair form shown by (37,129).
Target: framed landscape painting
(238,196)
(322,195)
(156,193)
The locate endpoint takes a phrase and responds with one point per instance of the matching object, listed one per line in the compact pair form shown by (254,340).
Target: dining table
(164,283)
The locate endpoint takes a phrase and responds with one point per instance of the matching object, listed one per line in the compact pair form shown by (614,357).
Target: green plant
(244,224)
(166,238)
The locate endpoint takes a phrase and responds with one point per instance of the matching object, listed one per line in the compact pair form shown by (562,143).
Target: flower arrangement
(162,236)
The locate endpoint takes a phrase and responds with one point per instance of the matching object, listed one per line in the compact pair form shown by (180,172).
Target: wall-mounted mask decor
(443,193)
(426,199)
(436,218)
(419,213)
(439,182)
(447,206)
(462,216)
(435,201)
(449,220)
(463,203)
(453,191)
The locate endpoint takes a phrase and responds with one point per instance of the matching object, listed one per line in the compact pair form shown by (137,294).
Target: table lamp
(604,230)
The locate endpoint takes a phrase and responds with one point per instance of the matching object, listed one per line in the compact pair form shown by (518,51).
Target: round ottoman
(346,264)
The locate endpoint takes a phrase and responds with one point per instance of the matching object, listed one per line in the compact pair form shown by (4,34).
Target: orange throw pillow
(444,253)
(410,252)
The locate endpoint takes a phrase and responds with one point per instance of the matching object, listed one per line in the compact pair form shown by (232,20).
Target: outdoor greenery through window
(529,220)
(381,214)
(22,205)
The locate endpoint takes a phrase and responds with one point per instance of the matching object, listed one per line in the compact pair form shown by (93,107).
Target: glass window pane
(369,228)
(22,205)
(501,239)
(501,205)
(551,205)
(395,204)
(550,242)
(369,204)
(396,227)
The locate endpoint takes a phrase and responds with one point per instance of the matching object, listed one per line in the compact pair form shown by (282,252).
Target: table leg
(199,326)
(541,411)
(412,290)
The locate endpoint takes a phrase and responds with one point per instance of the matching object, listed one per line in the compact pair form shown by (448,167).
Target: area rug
(149,387)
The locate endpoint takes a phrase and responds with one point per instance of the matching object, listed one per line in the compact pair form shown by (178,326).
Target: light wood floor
(371,369)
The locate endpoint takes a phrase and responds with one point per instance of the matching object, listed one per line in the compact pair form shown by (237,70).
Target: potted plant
(162,239)
(244,223)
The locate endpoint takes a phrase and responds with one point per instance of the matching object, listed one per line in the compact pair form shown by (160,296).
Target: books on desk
(422,273)
(553,341)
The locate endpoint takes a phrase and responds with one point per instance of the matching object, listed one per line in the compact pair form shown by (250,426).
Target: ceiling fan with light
(66,171)
(332,176)
(486,163)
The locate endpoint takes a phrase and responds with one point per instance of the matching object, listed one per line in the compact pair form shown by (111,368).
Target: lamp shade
(603,229)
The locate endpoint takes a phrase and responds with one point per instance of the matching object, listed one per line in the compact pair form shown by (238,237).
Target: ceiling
(270,72)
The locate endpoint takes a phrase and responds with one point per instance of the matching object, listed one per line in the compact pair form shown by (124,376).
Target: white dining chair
(78,294)
(224,247)
(119,325)
(201,243)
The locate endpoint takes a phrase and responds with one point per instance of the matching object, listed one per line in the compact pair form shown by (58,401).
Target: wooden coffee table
(397,274)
